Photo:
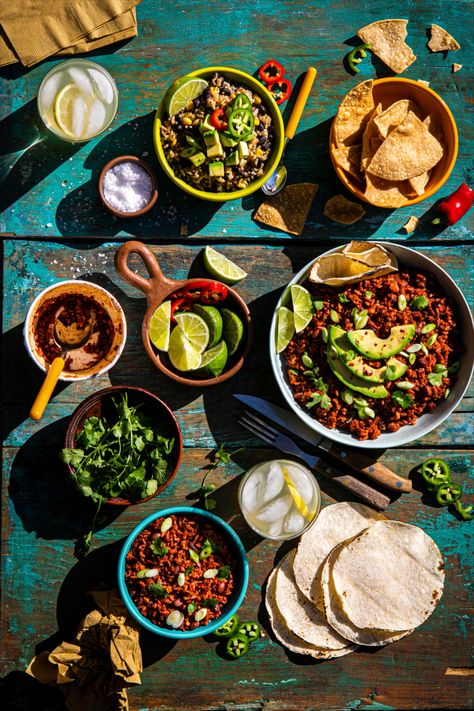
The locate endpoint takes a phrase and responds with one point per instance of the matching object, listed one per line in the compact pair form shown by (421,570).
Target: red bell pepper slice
(271,71)
(280,90)
(219,119)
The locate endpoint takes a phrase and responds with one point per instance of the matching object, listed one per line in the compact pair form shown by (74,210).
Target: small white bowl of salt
(127,186)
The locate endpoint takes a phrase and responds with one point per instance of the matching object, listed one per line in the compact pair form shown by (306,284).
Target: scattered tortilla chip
(431,123)
(340,209)
(456,67)
(419,182)
(288,209)
(394,115)
(423,81)
(387,41)
(442,41)
(411,224)
(355,261)
(371,134)
(349,159)
(409,150)
(386,193)
(353,114)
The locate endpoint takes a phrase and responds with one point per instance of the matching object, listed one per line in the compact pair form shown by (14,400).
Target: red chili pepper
(455,206)
(280,90)
(180,304)
(206,291)
(271,71)
(219,119)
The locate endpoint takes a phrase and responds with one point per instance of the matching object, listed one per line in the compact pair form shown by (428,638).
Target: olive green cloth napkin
(33,30)
(104,658)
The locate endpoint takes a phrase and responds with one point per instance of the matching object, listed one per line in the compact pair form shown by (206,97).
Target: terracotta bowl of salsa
(79,302)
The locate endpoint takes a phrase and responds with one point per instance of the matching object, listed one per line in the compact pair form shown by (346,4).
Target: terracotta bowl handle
(157,285)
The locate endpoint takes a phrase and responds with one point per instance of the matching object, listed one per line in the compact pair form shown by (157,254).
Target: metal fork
(280,441)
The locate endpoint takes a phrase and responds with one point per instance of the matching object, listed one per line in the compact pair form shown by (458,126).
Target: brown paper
(104,658)
(38,29)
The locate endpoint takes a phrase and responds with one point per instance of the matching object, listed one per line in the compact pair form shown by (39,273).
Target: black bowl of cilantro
(123,446)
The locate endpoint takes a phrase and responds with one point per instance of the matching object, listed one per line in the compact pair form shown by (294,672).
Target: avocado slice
(350,380)
(371,346)
(233,158)
(243,149)
(211,138)
(228,141)
(338,338)
(215,150)
(198,158)
(216,169)
(206,125)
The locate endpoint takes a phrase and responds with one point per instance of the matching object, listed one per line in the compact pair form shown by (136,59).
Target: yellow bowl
(386,92)
(275,156)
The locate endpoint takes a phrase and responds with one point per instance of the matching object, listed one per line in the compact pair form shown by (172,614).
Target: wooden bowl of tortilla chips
(393,142)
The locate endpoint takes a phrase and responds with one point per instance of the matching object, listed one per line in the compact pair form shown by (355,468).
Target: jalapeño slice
(237,646)
(241,123)
(228,628)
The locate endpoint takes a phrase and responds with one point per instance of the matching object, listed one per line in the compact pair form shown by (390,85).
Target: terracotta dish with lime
(196,331)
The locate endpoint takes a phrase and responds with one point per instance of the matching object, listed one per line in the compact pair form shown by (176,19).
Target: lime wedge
(221,267)
(214,360)
(183,90)
(233,331)
(183,355)
(297,498)
(213,318)
(63,108)
(285,328)
(195,329)
(302,306)
(160,324)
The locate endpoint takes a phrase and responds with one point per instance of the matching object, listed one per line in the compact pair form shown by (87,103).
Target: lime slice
(160,324)
(214,360)
(221,267)
(183,355)
(194,328)
(233,331)
(183,90)
(285,328)
(297,498)
(302,306)
(63,108)
(213,318)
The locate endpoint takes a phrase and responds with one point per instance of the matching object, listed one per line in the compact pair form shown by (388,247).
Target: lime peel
(222,267)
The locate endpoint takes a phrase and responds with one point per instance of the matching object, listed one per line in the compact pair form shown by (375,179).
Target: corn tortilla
(387,41)
(288,209)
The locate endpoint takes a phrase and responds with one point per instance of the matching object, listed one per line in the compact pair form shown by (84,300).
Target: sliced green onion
(211,573)
(166,524)
(428,328)
(369,412)
(194,556)
(446,393)
(424,348)
(402,302)
(414,348)
(431,339)
(362,402)
(439,368)
(405,385)
(324,334)
(348,397)
(412,358)
(307,361)
(181,579)
(200,614)
(334,316)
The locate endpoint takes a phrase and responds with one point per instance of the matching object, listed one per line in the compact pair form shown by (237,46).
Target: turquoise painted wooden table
(50,202)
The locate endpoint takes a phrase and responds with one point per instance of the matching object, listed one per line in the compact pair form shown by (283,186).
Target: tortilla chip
(353,114)
(288,209)
(386,39)
(442,41)
(371,133)
(419,182)
(386,193)
(355,261)
(340,209)
(409,150)
(455,67)
(349,159)
(431,123)
(411,224)
(394,115)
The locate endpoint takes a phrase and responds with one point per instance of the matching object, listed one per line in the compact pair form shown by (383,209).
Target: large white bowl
(427,422)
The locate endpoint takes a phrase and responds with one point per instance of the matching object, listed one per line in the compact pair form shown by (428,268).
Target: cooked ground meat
(379,297)
(181,554)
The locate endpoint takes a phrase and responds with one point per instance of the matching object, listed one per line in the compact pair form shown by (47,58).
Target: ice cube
(301,483)
(274,482)
(49,90)
(252,492)
(103,87)
(95,118)
(294,522)
(274,529)
(81,80)
(275,510)
(78,116)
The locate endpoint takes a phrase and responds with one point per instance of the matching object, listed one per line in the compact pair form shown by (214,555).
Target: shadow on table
(21,692)
(175,214)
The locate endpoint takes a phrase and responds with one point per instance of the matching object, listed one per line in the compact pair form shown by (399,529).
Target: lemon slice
(302,306)
(285,328)
(221,267)
(183,355)
(297,498)
(160,326)
(183,90)
(63,108)
(195,329)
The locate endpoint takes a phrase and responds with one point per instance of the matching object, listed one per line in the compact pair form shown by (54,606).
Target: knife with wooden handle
(351,459)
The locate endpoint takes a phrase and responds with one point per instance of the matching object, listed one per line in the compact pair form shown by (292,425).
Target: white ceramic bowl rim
(30,313)
(426,422)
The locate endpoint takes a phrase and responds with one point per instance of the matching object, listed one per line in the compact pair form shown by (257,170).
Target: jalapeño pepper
(237,646)
(466,512)
(271,71)
(435,471)
(356,56)
(241,123)
(251,630)
(228,628)
(448,493)
(241,101)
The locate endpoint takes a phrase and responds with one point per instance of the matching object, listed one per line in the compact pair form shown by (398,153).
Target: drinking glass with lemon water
(77,100)
(279,499)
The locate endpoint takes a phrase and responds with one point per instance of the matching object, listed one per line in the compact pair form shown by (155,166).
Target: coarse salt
(127,187)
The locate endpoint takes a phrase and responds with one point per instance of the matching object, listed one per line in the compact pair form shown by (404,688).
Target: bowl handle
(157,285)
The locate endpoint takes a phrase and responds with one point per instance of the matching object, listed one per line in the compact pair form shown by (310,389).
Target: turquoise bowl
(241,577)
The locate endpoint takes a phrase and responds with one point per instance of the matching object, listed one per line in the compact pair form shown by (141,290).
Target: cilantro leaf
(402,398)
